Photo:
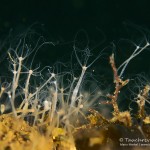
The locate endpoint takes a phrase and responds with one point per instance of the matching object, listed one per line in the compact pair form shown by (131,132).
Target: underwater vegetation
(64,107)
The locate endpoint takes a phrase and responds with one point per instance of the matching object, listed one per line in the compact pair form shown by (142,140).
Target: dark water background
(96,24)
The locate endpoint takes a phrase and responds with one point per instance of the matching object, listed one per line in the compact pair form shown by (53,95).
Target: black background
(61,20)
